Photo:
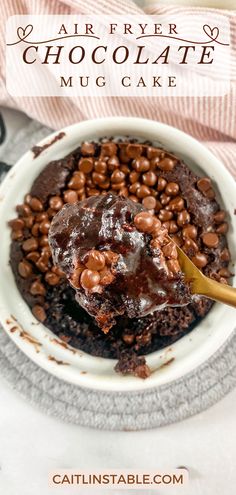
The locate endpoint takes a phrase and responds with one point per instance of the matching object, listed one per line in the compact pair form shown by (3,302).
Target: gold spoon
(205,286)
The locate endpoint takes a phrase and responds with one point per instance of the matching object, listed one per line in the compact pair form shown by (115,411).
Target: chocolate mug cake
(181,202)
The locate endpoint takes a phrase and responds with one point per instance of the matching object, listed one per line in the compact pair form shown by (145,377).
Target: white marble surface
(33,444)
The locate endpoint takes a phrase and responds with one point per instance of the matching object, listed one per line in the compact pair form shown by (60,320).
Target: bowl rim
(39,353)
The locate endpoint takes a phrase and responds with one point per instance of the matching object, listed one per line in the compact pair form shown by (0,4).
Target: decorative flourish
(24,33)
(212,33)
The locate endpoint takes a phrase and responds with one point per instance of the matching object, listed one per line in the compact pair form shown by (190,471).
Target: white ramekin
(35,340)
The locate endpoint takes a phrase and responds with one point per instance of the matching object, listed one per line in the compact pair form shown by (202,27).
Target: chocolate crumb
(37,150)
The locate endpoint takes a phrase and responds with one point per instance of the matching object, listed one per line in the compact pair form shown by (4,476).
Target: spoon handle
(218,292)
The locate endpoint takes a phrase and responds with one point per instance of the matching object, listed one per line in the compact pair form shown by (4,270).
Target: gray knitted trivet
(119,410)
(111,410)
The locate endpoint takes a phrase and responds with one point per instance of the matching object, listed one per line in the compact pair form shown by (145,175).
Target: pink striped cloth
(209,119)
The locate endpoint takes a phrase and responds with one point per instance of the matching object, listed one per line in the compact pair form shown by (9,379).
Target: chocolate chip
(58,271)
(87,149)
(117,176)
(210,193)
(134,177)
(164,199)
(134,187)
(134,150)
(124,158)
(165,215)
(189,231)
(156,227)
(89,279)
(100,166)
(210,239)
(94,260)
(91,192)
(124,168)
(176,204)
(149,202)
(153,152)
(173,227)
(133,198)
(75,276)
(17,235)
(23,210)
(27,198)
(113,163)
(52,278)
(224,272)
(39,312)
(98,178)
(141,164)
(204,184)
(35,204)
(108,149)
(144,222)
(43,241)
(29,221)
(56,203)
(199,260)
(35,230)
(149,178)
(24,269)
(77,181)
(167,164)
(219,216)
(30,244)
(51,213)
(161,184)
(44,227)
(46,251)
(70,196)
(154,164)
(40,217)
(172,189)
(117,187)
(225,255)
(190,247)
(42,264)
(33,256)
(183,218)
(86,165)
(143,191)
(17,224)
(37,289)
(223,228)
(124,191)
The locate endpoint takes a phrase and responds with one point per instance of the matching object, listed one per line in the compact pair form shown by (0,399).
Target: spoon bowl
(205,286)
